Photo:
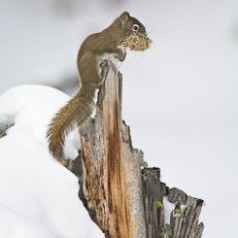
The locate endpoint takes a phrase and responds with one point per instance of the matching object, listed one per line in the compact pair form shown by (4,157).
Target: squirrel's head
(134,33)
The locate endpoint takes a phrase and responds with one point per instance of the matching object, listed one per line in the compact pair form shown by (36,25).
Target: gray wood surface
(123,197)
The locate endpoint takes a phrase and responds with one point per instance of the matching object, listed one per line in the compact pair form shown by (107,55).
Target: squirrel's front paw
(105,68)
(121,55)
(104,65)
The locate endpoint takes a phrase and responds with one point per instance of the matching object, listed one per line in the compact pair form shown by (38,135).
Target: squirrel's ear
(124,17)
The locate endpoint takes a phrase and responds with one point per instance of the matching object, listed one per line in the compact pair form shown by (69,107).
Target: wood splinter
(122,199)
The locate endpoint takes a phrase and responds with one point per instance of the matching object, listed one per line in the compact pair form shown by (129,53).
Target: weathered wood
(184,217)
(125,201)
(111,167)
(153,192)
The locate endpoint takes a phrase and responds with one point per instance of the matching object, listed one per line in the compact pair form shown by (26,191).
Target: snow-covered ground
(180,97)
(39,197)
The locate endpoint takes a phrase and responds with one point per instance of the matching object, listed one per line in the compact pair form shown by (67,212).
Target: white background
(180,97)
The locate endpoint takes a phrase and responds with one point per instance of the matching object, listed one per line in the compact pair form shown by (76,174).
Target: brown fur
(78,109)
(76,112)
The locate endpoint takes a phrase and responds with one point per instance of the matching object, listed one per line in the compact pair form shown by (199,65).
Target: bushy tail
(75,112)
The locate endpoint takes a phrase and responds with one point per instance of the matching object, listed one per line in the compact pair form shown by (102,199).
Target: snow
(168,208)
(38,195)
(179,97)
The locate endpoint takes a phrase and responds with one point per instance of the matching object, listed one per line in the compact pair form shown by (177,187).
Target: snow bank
(38,195)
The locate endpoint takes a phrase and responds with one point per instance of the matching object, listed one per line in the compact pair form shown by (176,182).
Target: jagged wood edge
(154,212)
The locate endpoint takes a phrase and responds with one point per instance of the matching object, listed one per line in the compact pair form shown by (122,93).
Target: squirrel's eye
(135,27)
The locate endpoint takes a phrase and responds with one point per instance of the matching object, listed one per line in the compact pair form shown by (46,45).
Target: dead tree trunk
(124,201)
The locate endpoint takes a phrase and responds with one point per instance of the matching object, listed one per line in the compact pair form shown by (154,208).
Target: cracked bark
(122,197)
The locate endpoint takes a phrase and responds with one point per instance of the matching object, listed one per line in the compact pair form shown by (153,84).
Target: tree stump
(122,197)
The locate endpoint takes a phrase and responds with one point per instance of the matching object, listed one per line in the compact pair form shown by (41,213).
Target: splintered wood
(184,218)
(125,201)
(111,169)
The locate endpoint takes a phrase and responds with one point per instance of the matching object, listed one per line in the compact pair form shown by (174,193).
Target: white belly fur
(112,57)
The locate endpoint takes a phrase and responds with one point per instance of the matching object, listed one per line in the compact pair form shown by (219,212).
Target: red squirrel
(111,43)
